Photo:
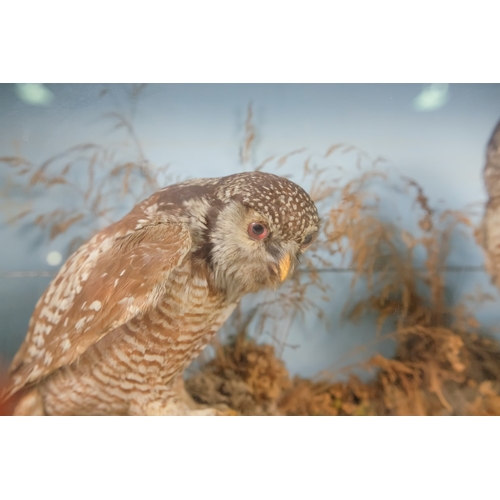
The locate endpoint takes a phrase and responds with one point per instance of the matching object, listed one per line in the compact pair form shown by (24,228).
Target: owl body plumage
(133,366)
(490,228)
(132,307)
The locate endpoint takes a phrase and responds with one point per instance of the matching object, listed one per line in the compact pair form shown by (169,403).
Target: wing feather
(106,283)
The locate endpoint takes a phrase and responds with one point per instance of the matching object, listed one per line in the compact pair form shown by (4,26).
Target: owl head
(257,227)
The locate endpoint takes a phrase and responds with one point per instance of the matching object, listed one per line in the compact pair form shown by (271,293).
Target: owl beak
(284,266)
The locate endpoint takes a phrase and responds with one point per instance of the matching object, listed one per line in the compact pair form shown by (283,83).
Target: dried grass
(444,363)
(89,180)
(436,371)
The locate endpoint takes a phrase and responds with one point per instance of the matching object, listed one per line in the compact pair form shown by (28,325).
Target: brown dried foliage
(245,376)
(436,371)
(443,364)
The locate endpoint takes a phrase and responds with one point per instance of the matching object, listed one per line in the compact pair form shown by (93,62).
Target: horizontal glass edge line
(50,274)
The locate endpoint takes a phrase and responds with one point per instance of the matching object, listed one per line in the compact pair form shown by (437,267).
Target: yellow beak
(284,266)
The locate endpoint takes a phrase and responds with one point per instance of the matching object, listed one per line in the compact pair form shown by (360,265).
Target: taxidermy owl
(132,307)
(489,234)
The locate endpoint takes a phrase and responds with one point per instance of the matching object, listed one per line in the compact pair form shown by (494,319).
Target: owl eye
(308,240)
(257,231)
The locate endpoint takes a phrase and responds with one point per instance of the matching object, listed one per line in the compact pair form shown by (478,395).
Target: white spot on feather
(41,328)
(38,340)
(151,210)
(133,310)
(65,345)
(32,350)
(95,306)
(65,303)
(80,323)
(126,301)
(47,359)
(35,372)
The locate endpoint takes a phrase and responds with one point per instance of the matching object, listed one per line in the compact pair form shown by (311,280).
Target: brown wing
(103,285)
